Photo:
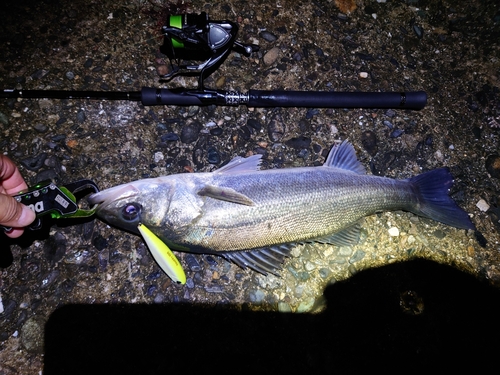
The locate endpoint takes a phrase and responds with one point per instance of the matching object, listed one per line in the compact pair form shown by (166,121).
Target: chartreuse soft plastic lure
(163,255)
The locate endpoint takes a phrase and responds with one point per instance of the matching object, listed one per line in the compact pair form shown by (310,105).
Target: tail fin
(435,202)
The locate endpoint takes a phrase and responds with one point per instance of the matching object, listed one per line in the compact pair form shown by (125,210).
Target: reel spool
(192,37)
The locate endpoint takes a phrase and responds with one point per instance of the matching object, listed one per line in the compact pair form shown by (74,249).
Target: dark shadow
(454,324)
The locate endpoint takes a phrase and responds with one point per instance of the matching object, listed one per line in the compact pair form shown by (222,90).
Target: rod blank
(254,98)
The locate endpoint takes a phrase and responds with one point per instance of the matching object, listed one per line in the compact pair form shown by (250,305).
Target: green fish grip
(48,199)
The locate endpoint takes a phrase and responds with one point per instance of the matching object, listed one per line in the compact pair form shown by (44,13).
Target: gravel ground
(447,48)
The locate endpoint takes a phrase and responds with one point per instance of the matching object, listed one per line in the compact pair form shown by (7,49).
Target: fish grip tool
(58,202)
(197,46)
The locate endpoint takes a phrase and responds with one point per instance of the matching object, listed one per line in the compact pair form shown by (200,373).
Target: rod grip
(326,99)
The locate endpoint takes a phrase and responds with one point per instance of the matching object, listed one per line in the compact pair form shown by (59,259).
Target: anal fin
(346,237)
(265,261)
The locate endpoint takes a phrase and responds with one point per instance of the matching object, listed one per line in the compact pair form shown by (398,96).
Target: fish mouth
(105,198)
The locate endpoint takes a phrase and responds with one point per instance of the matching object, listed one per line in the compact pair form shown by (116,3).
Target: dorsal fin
(241,165)
(343,156)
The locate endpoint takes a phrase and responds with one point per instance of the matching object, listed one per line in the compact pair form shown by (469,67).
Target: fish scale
(309,203)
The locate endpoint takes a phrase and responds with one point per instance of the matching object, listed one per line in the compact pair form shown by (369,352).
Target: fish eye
(131,211)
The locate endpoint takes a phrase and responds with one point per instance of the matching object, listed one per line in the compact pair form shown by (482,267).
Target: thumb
(14,214)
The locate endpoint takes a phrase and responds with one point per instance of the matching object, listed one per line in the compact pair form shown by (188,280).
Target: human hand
(12,213)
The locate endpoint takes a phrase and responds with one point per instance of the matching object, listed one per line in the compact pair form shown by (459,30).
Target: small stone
(169,137)
(357,256)
(255,124)
(190,132)
(483,205)
(32,335)
(418,31)
(369,142)
(213,156)
(363,75)
(34,163)
(267,36)
(41,128)
(393,232)
(306,305)
(80,116)
(271,56)
(493,165)
(396,133)
(162,70)
(299,142)
(284,307)
(158,157)
(221,82)
(276,128)
(88,63)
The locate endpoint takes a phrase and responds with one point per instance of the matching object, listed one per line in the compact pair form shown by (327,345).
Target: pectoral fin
(225,194)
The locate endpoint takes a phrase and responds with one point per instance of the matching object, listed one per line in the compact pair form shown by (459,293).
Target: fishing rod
(192,37)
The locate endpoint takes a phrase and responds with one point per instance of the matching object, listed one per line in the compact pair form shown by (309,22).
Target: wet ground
(87,277)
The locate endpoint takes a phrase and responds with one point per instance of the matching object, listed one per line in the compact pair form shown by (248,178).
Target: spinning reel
(192,37)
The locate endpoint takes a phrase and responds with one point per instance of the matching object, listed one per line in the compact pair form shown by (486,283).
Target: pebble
(169,137)
(299,143)
(49,279)
(357,256)
(80,117)
(163,70)
(255,124)
(41,128)
(32,335)
(390,113)
(396,133)
(306,305)
(393,232)
(418,31)
(34,163)
(324,272)
(493,165)
(369,142)
(192,262)
(213,156)
(482,205)
(88,63)
(267,36)
(271,56)
(100,243)
(284,307)
(158,156)
(55,247)
(276,128)
(388,124)
(216,131)
(190,132)
(311,113)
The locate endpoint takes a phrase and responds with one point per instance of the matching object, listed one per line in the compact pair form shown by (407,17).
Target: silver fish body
(250,216)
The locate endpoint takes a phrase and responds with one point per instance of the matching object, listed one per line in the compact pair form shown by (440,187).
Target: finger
(14,232)
(14,214)
(11,180)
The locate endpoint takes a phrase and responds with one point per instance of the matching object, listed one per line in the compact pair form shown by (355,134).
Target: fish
(254,217)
